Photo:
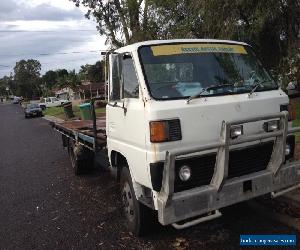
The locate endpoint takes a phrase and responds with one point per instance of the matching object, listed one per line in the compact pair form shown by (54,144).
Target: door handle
(118,106)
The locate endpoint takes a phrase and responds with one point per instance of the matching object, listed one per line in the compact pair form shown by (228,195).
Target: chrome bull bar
(222,158)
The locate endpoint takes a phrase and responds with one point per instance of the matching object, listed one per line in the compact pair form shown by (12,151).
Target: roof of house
(92,86)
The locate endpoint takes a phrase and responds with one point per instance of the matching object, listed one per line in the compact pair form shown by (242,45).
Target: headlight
(185,173)
(236,131)
(271,126)
(165,130)
(287,149)
(290,147)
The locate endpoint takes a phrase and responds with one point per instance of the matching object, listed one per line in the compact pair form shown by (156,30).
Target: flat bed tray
(84,130)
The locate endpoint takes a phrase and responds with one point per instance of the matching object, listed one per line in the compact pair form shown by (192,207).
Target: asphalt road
(44,206)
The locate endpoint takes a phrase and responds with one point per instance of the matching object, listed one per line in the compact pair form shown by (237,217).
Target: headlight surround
(236,131)
(271,126)
(290,147)
(185,173)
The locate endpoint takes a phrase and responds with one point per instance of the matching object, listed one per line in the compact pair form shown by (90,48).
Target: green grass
(55,111)
(297,121)
(59,112)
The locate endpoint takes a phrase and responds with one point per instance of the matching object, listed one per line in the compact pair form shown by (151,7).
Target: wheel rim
(128,201)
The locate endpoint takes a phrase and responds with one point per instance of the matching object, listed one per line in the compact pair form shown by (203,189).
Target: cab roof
(135,46)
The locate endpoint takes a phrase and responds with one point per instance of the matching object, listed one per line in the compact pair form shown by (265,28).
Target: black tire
(43,107)
(82,159)
(139,217)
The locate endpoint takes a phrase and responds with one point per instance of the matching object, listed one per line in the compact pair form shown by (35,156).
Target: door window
(130,81)
(114,83)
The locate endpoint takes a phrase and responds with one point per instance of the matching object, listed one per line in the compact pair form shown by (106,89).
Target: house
(92,89)
(82,92)
(67,93)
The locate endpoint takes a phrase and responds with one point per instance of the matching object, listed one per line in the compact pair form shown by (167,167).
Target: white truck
(48,102)
(191,126)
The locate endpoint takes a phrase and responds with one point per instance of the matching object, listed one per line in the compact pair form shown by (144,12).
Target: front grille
(241,162)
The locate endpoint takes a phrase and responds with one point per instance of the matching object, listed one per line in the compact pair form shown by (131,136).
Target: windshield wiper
(206,89)
(255,87)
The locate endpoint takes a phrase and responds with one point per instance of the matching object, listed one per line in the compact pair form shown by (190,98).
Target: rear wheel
(139,217)
(82,159)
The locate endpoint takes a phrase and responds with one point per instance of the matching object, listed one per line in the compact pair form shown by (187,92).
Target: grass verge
(296,122)
(59,112)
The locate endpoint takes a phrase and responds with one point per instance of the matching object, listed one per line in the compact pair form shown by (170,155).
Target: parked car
(32,110)
(16,100)
(48,102)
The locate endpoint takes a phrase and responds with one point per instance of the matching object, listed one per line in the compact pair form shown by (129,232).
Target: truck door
(125,115)
(48,102)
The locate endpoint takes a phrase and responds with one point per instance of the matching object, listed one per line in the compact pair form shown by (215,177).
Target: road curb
(268,213)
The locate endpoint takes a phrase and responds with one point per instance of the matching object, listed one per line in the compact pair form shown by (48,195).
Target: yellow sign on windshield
(176,49)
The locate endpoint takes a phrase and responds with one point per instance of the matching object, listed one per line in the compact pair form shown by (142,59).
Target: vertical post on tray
(94,124)
(106,74)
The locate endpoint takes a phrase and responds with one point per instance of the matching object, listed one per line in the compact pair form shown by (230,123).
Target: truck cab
(193,126)
(48,102)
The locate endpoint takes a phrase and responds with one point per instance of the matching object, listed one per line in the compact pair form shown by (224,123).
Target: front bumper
(35,113)
(198,201)
(221,192)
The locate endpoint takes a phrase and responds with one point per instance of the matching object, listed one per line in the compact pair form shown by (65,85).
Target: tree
(122,22)
(50,79)
(7,82)
(62,77)
(27,78)
(96,72)
(270,26)
(93,73)
(73,79)
(62,72)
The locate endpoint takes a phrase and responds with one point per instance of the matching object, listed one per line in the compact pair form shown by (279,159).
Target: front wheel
(139,217)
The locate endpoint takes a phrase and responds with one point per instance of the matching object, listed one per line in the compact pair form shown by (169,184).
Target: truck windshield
(178,71)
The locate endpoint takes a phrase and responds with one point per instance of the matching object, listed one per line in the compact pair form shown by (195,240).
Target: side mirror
(114,78)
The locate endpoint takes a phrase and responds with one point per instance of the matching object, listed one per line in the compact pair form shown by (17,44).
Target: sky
(51,31)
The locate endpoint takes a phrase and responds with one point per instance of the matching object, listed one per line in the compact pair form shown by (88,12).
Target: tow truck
(192,126)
